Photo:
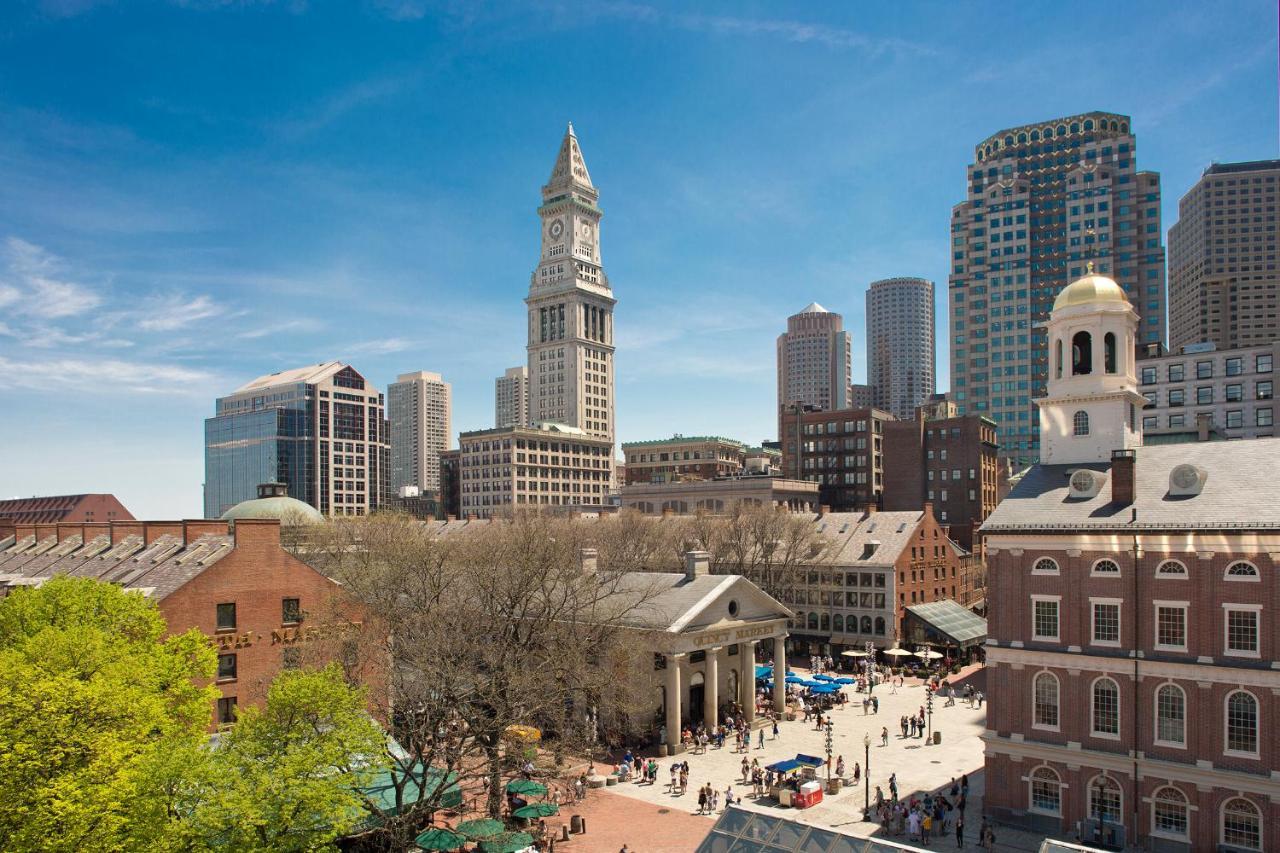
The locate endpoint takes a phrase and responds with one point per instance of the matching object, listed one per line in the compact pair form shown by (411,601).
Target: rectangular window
(1234,366)
(1177,397)
(227,617)
(1148,376)
(1262,390)
(290,611)
(1241,632)
(1176,373)
(1264,363)
(1204,395)
(1045,618)
(1149,422)
(1171,626)
(226,667)
(1235,419)
(226,710)
(1263,417)
(1204,370)
(1234,393)
(1106,623)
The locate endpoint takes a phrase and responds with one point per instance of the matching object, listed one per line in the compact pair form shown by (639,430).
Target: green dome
(274,503)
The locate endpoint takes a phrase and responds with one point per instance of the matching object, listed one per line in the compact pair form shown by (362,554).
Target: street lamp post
(866,777)
(928,705)
(870,665)
(830,725)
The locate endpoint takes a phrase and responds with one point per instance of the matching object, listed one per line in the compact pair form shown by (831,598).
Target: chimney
(6,528)
(121,530)
(1204,421)
(257,531)
(824,509)
(450,518)
(928,509)
(194,528)
(869,510)
(1123,476)
(153,530)
(587,560)
(697,564)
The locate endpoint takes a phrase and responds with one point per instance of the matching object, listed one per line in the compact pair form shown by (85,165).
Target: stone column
(711,691)
(674,697)
(747,679)
(780,673)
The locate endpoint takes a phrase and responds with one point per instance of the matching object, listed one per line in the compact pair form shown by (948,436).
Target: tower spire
(570,170)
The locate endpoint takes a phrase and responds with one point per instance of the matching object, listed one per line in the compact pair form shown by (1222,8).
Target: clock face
(556,229)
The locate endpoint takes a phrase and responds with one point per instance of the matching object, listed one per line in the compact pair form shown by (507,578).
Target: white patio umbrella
(896,652)
(928,654)
(854,654)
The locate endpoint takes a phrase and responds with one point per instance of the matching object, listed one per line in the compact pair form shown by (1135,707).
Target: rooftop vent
(1085,483)
(1187,480)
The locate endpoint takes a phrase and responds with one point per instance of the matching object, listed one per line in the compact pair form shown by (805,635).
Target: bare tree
(768,545)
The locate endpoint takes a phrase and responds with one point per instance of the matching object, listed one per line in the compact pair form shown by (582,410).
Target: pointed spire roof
(814,308)
(570,169)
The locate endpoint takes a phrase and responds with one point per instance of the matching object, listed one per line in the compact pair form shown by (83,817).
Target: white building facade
(900,344)
(419,407)
(511,398)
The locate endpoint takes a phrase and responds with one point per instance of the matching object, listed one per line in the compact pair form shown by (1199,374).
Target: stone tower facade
(571,305)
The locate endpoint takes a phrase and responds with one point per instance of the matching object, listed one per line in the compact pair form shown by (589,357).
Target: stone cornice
(1189,670)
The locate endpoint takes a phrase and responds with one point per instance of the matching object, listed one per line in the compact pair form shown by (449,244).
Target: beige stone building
(511,398)
(721,495)
(551,465)
(420,411)
(900,344)
(1231,391)
(814,360)
(1224,288)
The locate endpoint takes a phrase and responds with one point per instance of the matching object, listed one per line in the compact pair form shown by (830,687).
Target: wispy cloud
(32,272)
(383,346)
(305,324)
(108,376)
(338,104)
(166,313)
(1189,90)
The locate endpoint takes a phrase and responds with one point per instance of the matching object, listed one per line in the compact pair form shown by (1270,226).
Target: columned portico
(711,696)
(675,693)
(780,673)
(747,680)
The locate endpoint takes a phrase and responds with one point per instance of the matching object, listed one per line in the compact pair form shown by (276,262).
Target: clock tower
(571,305)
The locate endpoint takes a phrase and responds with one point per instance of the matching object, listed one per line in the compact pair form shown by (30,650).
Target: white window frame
(1062,786)
(1093,729)
(1183,575)
(1186,801)
(1057,600)
(1057,681)
(1257,732)
(1088,805)
(1118,603)
(1057,570)
(1155,716)
(1094,573)
(1228,608)
(1256,577)
(1222,821)
(1185,607)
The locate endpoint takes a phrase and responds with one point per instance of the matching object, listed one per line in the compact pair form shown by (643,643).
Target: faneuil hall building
(1133,602)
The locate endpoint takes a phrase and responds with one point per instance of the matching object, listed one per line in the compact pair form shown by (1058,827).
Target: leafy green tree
(94,704)
(287,777)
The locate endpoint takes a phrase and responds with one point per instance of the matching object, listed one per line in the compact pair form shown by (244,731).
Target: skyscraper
(319,429)
(1223,285)
(511,398)
(814,360)
(571,305)
(1044,200)
(900,344)
(419,409)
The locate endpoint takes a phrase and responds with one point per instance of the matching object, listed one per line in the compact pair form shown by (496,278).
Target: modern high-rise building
(419,409)
(900,348)
(511,398)
(1223,284)
(1044,201)
(814,357)
(319,429)
(571,305)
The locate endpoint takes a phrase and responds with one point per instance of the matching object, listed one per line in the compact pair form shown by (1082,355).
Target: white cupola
(1092,402)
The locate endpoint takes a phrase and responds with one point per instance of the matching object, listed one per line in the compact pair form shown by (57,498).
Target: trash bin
(834,784)
(937,738)
(577,825)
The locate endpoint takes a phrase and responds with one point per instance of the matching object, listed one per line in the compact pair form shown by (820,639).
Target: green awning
(440,838)
(526,788)
(381,790)
(508,842)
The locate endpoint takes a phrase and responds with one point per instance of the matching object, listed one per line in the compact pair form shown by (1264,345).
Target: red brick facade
(48,510)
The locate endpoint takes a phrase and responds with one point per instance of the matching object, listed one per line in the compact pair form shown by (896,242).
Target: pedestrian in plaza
(857,773)
(760,740)
(960,831)
(746,768)
(964,784)
(875,704)
(702,800)
(926,828)
(840,766)
(986,836)
(884,736)
(775,728)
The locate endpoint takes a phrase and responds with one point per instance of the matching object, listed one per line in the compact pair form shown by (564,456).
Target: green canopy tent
(536,810)
(507,842)
(526,788)
(440,838)
(481,828)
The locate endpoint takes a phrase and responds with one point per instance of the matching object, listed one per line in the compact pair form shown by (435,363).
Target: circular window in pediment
(733,607)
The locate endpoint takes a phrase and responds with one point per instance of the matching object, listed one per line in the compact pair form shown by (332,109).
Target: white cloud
(41,294)
(166,313)
(381,346)
(109,376)
(304,324)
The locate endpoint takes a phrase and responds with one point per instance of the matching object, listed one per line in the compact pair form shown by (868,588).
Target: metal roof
(741,830)
(951,619)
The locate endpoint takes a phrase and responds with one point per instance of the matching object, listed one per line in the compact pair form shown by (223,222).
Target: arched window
(1242,723)
(1062,130)
(1171,715)
(1241,824)
(866,624)
(1035,136)
(1169,813)
(826,622)
(813,621)
(1045,566)
(1088,124)
(1242,570)
(1106,567)
(1171,569)
(879,626)
(1080,423)
(1046,791)
(1075,127)
(1106,708)
(1045,700)
(1057,359)
(1109,352)
(837,623)
(1081,354)
(1104,799)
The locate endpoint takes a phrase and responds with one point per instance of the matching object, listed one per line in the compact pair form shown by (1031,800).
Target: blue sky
(195,193)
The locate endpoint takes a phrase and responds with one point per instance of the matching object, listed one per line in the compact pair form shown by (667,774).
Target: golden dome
(1092,288)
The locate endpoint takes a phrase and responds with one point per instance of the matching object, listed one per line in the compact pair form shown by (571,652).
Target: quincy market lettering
(286,636)
(720,637)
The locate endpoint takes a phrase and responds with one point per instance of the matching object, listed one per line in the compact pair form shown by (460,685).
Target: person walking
(702,800)
(775,728)
(893,786)
(986,836)
(760,740)
(884,736)
(960,831)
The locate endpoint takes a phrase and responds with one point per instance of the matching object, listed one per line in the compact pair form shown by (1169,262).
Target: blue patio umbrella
(822,676)
(826,688)
(844,680)
(763,670)
(794,679)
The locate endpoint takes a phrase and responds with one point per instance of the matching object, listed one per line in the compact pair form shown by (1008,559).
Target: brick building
(55,508)
(550,465)
(1133,628)
(260,606)
(951,463)
(841,451)
(679,458)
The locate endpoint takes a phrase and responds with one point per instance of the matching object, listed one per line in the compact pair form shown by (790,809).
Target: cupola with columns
(1092,402)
